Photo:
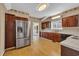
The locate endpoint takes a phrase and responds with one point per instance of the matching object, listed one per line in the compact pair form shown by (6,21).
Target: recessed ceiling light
(42,6)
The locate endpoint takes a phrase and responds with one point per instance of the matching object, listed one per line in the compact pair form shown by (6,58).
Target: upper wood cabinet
(45,25)
(70,21)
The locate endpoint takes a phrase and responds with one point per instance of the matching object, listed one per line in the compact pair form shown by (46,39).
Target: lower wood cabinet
(56,37)
(65,51)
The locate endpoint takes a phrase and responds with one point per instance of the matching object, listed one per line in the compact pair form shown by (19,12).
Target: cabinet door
(56,37)
(45,34)
(51,36)
(64,22)
(48,35)
(45,25)
(71,21)
(40,34)
(9,31)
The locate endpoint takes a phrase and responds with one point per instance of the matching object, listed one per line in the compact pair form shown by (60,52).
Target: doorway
(35,30)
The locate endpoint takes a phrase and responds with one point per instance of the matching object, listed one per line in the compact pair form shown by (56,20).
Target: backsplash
(70,30)
(66,30)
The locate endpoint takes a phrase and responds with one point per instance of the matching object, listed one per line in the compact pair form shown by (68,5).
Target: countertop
(71,43)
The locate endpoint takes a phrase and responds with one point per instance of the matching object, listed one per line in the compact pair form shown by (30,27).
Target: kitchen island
(70,46)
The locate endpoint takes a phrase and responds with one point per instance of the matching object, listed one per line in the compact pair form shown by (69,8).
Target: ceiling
(31,8)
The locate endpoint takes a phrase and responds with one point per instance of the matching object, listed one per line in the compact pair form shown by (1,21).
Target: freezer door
(19,43)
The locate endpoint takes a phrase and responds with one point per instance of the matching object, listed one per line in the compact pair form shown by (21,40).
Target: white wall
(2,28)
(70,30)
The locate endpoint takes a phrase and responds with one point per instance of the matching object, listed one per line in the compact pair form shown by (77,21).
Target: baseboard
(9,48)
(2,53)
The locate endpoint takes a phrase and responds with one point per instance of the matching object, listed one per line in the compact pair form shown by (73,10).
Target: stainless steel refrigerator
(22,33)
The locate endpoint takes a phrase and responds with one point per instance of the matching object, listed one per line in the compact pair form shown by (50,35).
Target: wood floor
(39,47)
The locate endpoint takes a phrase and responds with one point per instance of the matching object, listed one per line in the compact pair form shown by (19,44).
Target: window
(56,24)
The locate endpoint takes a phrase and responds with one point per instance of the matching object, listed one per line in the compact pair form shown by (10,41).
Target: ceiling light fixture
(42,6)
(56,17)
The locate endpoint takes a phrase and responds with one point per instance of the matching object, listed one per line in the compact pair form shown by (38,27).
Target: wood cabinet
(71,21)
(56,37)
(45,25)
(10,30)
(65,51)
